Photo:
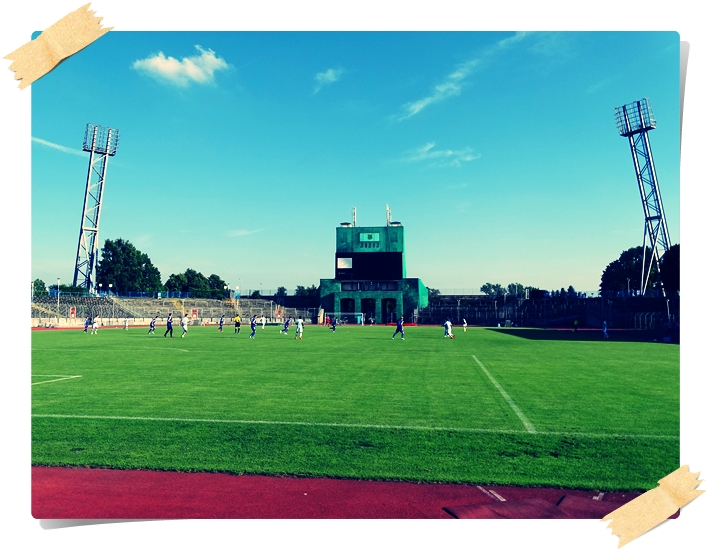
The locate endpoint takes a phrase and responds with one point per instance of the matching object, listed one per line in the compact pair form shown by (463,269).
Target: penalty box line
(344,425)
(526,422)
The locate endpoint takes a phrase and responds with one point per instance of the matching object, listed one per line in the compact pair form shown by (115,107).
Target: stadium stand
(45,307)
(112,310)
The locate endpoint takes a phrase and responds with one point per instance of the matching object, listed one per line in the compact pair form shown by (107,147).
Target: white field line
(55,380)
(110,349)
(529,427)
(343,425)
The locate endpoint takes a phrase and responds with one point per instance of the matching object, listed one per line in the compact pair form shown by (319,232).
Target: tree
(432,293)
(671,270)
(126,268)
(217,284)
(255,294)
(197,284)
(627,269)
(281,291)
(516,289)
(38,287)
(176,283)
(571,292)
(494,291)
(313,290)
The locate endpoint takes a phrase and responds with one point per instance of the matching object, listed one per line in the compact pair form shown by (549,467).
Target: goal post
(352,319)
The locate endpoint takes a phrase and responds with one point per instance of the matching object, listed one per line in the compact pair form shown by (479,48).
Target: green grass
(356,404)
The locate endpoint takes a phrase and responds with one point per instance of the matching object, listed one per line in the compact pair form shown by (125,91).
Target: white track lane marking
(527,424)
(491,494)
(342,425)
(57,380)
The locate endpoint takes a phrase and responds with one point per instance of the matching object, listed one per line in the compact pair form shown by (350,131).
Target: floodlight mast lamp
(101,143)
(634,120)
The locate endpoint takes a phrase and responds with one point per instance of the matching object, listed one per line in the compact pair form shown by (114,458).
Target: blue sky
(240,152)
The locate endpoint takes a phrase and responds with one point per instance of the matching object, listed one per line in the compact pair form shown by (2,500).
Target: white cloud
(555,45)
(452,84)
(199,69)
(326,78)
(243,232)
(57,147)
(442,157)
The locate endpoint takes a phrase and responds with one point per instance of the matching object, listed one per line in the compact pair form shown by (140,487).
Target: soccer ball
(452,336)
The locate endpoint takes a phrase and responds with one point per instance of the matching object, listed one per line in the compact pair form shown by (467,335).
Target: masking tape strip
(655,506)
(66,37)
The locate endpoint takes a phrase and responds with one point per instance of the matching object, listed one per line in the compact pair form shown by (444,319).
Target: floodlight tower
(634,120)
(101,143)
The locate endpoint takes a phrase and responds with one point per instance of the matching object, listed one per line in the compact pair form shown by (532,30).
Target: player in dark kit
(334,323)
(253,323)
(222,323)
(86,324)
(169,326)
(285,330)
(152,328)
(399,329)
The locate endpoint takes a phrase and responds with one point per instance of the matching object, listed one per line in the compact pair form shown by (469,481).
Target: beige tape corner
(66,37)
(655,506)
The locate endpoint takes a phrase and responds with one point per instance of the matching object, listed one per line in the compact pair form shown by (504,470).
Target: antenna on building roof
(354,216)
(388,216)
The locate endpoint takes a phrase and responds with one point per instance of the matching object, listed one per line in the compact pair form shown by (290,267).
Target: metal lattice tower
(100,143)
(634,120)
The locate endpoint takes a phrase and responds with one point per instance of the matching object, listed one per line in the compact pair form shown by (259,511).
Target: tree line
(621,275)
(127,269)
(625,273)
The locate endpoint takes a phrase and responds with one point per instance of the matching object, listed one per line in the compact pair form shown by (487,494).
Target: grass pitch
(487,407)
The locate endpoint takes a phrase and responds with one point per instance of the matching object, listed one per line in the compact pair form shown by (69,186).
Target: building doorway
(389,306)
(368,308)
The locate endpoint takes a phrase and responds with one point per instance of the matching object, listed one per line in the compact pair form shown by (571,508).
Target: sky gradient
(241,152)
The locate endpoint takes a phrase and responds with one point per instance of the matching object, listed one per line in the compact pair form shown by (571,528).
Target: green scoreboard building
(370,275)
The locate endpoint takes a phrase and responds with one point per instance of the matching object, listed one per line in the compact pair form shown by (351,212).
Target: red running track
(87,493)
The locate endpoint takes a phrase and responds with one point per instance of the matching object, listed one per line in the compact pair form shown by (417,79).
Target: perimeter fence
(646,313)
